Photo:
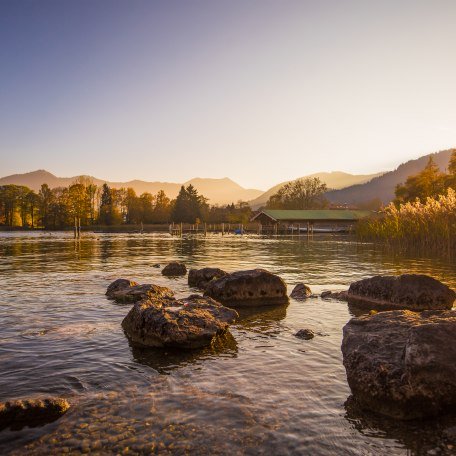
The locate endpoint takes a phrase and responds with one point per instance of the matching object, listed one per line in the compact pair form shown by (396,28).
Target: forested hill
(219,191)
(383,187)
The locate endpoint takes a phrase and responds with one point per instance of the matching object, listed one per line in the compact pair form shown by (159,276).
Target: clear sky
(257,90)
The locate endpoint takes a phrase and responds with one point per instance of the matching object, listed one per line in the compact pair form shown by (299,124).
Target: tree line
(57,208)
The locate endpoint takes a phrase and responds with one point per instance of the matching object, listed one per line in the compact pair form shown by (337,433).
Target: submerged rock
(200,278)
(301,291)
(117,285)
(188,323)
(174,269)
(156,265)
(32,412)
(402,363)
(409,291)
(249,288)
(340,295)
(122,290)
(305,334)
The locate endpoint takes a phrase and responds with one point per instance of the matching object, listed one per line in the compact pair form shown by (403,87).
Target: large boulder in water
(174,269)
(402,363)
(249,288)
(122,290)
(409,291)
(200,278)
(188,323)
(32,412)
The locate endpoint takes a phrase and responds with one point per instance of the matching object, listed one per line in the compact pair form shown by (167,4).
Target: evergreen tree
(189,206)
(105,212)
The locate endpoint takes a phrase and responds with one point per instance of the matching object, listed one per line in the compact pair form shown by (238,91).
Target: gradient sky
(259,91)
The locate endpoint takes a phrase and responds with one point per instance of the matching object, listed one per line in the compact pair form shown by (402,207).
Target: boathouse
(324,220)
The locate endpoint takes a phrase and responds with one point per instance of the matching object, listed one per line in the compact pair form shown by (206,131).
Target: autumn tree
(162,208)
(428,183)
(307,193)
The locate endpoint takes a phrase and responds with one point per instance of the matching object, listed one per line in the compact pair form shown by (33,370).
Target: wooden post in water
(308,229)
(205,229)
(181,229)
(275,229)
(75,229)
(299,230)
(223,229)
(79,227)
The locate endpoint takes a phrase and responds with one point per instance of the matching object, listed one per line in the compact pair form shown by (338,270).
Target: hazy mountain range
(219,191)
(346,188)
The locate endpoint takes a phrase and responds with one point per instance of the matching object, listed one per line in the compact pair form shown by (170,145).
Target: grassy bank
(428,227)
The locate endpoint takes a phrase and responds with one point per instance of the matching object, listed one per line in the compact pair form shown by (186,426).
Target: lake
(259,390)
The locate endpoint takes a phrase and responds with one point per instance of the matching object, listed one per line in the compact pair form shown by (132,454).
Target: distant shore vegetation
(57,208)
(305,193)
(423,214)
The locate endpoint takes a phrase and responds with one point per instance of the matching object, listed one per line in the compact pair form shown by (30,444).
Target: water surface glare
(260,390)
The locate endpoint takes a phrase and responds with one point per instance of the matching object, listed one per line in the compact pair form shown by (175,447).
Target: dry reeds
(428,226)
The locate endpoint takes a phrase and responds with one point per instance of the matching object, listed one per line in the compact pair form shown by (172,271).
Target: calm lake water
(259,391)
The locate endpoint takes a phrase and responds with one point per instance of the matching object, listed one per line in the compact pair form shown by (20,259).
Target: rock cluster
(200,278)
(409,291)
(174,269)
(188,323)
(32,412)
(402,363)
(255,287)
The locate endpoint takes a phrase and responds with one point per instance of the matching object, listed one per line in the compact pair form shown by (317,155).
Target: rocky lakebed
(397,350)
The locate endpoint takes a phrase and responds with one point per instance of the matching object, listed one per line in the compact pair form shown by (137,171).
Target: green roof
(309,215)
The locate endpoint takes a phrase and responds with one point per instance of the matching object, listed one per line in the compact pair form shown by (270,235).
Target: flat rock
(200,278)
(256,287)
(340,295)
(402,363)
(117,285)
(409,291)
(301,291)
(139,292)
(192,322)
(32,412)
(174,269)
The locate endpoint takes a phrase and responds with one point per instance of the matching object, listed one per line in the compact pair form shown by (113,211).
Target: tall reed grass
(428,227)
